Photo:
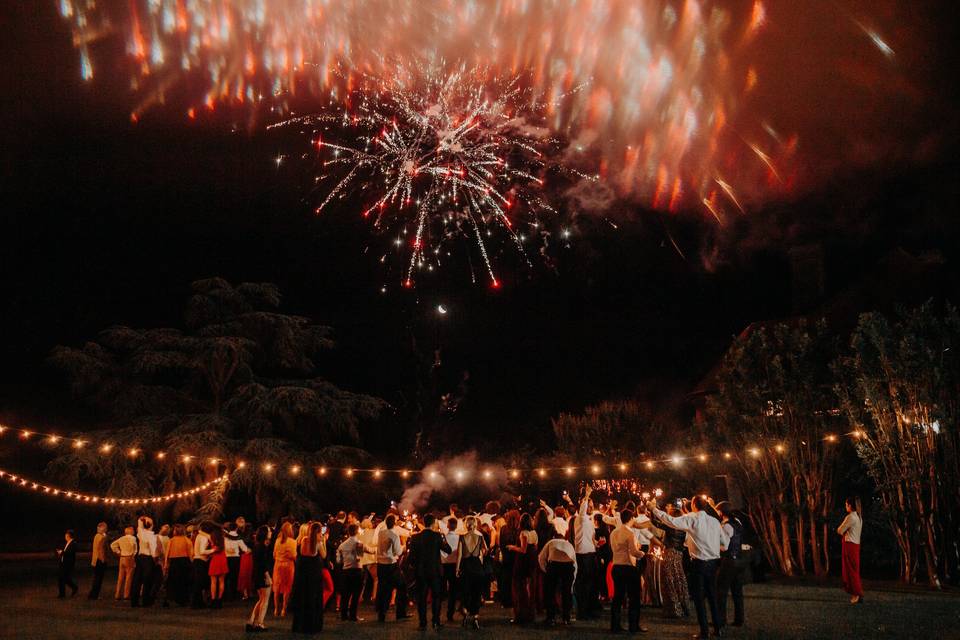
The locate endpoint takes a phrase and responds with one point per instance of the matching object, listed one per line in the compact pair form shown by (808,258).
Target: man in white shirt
(146,561)
(349,555)
(126,548)
(705,540)
(368,561)
(586,585)
(558,560)
(389,577)
(626,578)
(448,562)
(202,550)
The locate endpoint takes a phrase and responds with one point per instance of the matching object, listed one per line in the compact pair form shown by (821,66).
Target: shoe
(437,626)
(476,624)
(249,628)
(404,617)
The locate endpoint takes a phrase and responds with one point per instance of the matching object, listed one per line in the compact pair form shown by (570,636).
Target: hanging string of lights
(487,471)
(89,498)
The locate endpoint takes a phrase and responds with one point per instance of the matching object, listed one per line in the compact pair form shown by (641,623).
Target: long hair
(526,522)
(216,536)
(854,503)
(260,537)
(286,531)
(308,543)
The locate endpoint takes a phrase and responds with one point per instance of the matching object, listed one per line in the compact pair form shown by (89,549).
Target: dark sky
(105,221)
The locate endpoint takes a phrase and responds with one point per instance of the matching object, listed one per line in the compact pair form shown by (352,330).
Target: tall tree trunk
(815,545)
(787,554)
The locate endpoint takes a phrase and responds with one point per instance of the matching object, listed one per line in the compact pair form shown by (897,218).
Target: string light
(541,472)
(26,483)
(295,470)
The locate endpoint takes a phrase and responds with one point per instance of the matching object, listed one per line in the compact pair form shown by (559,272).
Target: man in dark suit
(68,558)
(425,548)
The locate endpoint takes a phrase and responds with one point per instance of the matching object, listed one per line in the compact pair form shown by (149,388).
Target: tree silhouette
(237,383)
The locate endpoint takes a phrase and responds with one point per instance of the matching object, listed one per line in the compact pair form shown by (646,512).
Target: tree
(239,382)
(899,389)
(630,425)
(775,413)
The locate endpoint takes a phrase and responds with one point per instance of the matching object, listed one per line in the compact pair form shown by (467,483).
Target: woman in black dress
(262,572)
(306,599)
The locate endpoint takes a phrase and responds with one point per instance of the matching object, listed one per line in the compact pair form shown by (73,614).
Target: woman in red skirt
(218,569)
(850,529)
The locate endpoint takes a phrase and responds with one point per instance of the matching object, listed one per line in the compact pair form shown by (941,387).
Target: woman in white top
(850,529)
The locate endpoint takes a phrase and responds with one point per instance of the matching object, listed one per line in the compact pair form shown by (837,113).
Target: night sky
(105,221)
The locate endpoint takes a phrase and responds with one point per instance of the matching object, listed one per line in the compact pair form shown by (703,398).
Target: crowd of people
(555,562)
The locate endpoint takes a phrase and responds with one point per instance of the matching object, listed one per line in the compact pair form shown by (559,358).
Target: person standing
(126,548)
(586,585)
(425,549)
(558,560)
(368,562)
(448,562)
(146,561)
(524,572)
(202,550)
(388,573)
(705,538)
(233,547)
(675,591)
(98,559)
(850,529)
(262,571)
(284,559)
(349,554)
(306,597)
(730,573)
(218,568)
(472,549)
(67,560)
(176,565)
(626,578)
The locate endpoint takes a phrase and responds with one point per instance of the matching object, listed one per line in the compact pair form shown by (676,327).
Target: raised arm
(683,523)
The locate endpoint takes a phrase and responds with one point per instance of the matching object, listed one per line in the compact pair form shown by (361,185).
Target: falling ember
(439,153)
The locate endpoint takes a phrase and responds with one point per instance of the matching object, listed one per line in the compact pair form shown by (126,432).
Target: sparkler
(439,155)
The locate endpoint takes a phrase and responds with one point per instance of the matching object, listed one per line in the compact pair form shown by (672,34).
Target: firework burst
(439,155)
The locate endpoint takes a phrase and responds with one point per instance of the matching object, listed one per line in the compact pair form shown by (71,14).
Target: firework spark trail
(439,149)
(665,76)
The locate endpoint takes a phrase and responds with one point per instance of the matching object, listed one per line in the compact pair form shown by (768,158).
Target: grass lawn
(30,609)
